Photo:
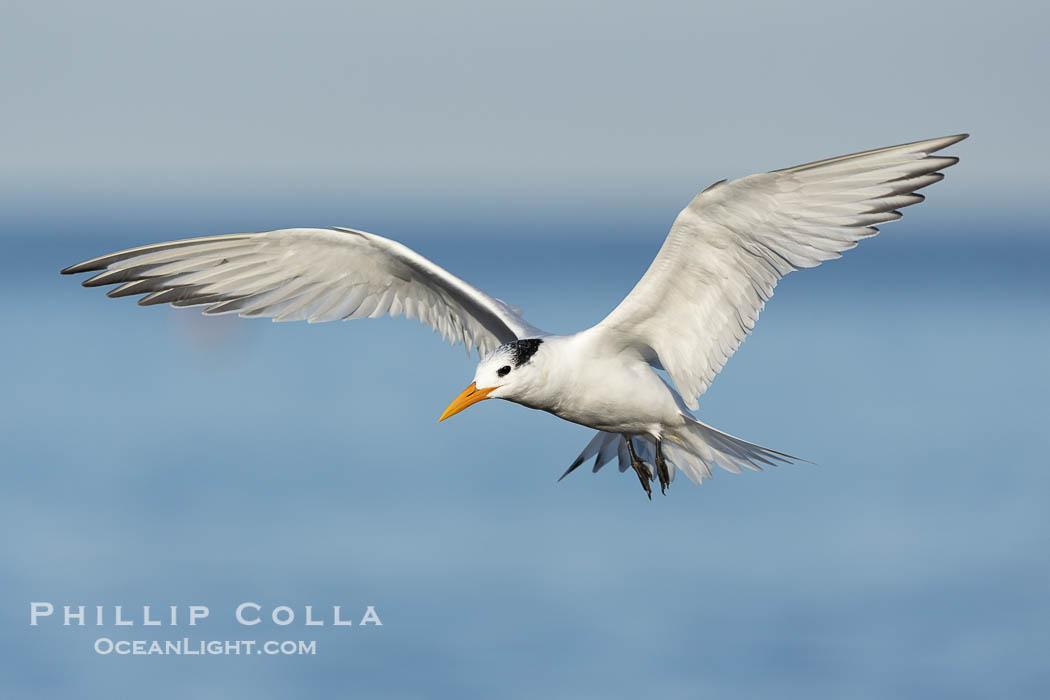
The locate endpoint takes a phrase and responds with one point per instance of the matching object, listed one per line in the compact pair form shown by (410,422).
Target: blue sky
(452,107)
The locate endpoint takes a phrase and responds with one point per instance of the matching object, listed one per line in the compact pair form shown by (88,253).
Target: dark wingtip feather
(119,276)
(945,141)
(123,290)
(86,266)
(104,261)
(170,295)
(130,289)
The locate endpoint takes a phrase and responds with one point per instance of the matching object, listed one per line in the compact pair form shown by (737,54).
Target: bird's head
(505,373)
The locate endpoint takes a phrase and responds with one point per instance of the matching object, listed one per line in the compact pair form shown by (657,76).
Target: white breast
(584,383)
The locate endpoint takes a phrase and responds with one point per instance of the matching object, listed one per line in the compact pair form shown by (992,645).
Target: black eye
(503,371)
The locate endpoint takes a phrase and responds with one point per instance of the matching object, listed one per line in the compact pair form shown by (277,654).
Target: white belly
(607,393)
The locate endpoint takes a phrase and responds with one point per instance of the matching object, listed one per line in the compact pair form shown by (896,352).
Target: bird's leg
(640,469)
(661,469)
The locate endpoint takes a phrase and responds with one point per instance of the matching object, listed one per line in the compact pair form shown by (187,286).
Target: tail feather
(610,450)
(603,447)
(694,448)
(705,447)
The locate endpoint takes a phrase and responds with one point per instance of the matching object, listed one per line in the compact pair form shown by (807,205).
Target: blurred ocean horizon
(158,457)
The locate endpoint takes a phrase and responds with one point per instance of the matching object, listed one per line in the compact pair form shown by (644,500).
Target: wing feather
(728,249)
(309,274)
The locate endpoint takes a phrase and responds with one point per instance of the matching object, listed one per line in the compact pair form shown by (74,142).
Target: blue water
(155,457)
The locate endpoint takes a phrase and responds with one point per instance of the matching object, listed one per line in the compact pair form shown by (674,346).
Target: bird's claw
(661,470)
(644,475)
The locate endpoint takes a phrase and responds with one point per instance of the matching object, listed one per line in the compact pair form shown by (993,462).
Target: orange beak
(471,395)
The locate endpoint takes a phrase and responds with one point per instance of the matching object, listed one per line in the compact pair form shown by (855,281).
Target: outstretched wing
(728,249)
(309,274)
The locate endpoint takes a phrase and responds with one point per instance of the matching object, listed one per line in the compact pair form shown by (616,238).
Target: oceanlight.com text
(203,647)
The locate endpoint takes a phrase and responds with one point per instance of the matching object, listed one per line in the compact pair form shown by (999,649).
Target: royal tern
(700,297)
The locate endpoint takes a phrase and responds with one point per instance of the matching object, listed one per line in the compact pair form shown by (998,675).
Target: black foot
(661,470)
(640,469)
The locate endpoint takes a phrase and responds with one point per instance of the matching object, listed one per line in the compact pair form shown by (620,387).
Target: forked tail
(694,449)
